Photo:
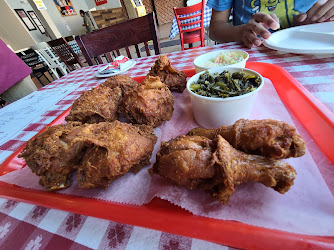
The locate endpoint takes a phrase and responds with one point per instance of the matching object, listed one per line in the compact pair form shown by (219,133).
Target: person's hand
(321,11)
(258,25)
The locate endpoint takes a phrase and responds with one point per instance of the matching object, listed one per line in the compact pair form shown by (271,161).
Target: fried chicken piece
(53,155)
(100,152)
(270,138)
(125,82)
(215,166)
(96,105)
(173,78)
(150,103)
(113,149)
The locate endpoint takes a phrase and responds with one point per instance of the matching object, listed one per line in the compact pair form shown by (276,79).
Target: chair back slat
(66,53)
(137,50)
(109,57)
(120,36)
(30,57)
(190,16)
(147,48)
(191,23)
(128,52)
(99,59)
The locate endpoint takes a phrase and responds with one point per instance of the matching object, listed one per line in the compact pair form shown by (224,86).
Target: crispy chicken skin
(125,82)
(113,149)
(215,166)
(53,155)
(270,138)
(173,78)
(150,103)
(100,152)
(96,105)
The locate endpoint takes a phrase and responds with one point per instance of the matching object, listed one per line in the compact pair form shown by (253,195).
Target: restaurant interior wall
(12,30)
(72,25)
(17,4)
(109,5)
(67,25)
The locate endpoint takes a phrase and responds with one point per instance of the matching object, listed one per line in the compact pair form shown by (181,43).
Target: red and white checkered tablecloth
(26,226)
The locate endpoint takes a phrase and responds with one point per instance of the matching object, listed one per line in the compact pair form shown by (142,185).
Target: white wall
(74,23)
(16,4)
(67,25)
(12,30)
(111,4)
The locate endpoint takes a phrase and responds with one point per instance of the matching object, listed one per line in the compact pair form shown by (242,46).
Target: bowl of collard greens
(221,96)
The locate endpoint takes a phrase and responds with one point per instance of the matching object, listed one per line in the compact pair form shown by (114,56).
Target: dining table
(32,220)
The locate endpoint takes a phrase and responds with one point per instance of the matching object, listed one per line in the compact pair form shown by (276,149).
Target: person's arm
(321,11)
(221,31)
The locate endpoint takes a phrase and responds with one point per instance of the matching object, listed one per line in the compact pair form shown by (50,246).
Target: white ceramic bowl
(200,61)
(210,112)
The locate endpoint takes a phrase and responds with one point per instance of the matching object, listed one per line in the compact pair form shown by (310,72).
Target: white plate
(307,39)
(99,75)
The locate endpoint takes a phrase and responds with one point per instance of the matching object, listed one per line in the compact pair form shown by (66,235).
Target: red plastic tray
(163,216)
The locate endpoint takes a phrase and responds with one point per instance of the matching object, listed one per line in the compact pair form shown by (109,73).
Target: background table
(175,29)
(28,226)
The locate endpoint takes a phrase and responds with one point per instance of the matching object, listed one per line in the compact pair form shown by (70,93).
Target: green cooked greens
(225,84)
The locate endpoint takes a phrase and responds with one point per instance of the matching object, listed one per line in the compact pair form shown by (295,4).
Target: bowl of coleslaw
(221,58)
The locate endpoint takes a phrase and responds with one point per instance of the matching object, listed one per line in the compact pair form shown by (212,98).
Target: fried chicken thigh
(125,82)
(151,103)
(96,105)
(215,166)
(270,138)
(173,78)
(100,152)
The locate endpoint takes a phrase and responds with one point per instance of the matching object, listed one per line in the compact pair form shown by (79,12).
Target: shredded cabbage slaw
(225,58)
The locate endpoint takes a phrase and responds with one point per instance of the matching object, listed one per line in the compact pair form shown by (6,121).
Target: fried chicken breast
(96,105)
(100,152)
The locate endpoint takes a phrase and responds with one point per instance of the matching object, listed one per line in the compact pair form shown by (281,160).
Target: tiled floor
(164,31)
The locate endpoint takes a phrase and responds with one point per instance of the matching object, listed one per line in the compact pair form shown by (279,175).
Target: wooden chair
(66,53)
(37,65)
(118,36)
(190,21)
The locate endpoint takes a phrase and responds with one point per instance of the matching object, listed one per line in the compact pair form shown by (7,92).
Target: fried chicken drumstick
(100,152)
(96,105)
(270,138)
(173,78)
(215,166)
